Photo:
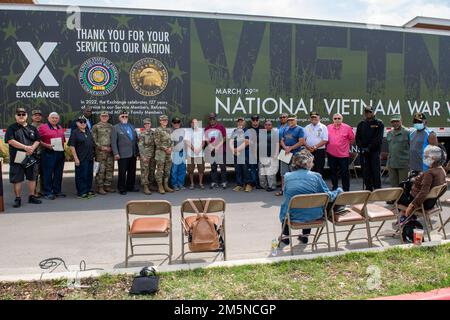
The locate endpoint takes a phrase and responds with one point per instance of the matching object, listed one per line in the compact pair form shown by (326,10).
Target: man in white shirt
(194,140)
(316,138)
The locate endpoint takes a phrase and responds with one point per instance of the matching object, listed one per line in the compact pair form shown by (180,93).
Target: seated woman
(303,181)
(424,182)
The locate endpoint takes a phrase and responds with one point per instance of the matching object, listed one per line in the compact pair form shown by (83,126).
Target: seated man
(303,181)
(424,182)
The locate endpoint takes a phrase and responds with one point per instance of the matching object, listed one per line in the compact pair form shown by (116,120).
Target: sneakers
(84,196)
(91,194)
(202,186)
(17,202)
(270,189)
(32,199)
(213,185)
(248,188)
(60,195)
(49,197)
(191,187)
(176,188)
(224,185)
(238,188)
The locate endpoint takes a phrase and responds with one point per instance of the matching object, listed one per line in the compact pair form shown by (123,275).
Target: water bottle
(274,247)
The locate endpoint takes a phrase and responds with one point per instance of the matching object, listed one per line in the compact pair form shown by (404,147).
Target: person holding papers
(23,140)
(52,156)
(291,143)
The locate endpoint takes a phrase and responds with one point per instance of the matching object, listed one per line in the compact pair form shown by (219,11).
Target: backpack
(408,229)
(203,234)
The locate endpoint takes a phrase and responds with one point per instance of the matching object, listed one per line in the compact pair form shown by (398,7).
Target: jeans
(223,173)
(253,174)
(84,176)
(178,174)
(339,165)
(52,163)
(241,172)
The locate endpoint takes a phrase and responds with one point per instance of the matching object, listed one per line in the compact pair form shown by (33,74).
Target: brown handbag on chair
(203,234)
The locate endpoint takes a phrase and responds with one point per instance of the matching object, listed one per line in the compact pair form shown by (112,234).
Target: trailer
(188,64)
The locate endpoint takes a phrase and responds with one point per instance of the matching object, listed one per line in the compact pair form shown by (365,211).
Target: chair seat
(375,211)
(433,210)
(150,225)
(349,216)
(190,219)
(310,223)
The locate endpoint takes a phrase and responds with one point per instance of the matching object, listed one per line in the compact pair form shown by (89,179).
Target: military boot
(146,189)
(109,189)
(100,190)
(166,185)
(161,188)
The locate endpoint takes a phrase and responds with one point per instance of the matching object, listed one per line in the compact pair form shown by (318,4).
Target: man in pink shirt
(52,157)
(340,137)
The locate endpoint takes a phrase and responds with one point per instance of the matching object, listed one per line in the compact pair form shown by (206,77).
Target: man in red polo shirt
(52,156)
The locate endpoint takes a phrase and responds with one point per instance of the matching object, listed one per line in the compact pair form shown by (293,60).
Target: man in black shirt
(369,137)
(23,140)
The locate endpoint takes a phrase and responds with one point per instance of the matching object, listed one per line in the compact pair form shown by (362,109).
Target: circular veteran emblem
(98,76)
(149,77)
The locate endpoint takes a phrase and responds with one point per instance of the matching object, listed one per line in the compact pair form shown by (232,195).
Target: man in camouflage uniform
(101,132)
(147,154)
(163,154)
(36,118)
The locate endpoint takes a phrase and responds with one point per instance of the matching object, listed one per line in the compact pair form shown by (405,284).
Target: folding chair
(148,227)
(207,206)
(307,201)
(353,166)
(350,217)
(435,193)
(377,213)
(384,167)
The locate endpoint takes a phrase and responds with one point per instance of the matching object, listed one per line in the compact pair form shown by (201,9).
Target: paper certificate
(285,157)
(57,144)
(20,156)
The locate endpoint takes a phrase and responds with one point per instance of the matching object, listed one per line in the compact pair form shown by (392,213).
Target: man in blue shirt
(303,181)
(283,124)
(292,141)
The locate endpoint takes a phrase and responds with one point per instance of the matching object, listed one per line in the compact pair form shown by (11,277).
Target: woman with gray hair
(303,181)
(424,182)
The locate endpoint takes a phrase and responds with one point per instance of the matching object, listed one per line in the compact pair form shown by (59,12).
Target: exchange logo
(37,59)
(149,77)
(98,76)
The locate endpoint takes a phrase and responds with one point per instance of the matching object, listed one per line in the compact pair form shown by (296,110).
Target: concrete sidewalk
(94,230)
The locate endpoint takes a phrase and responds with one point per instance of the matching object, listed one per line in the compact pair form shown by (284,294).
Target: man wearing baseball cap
(398,156)
(420,138)
(178,171)
(124,144)
(215,136)
(369,137)
(23,140)
(316,138)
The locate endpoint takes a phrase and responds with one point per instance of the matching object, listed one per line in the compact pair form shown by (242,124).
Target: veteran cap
(240,119)
(292,117)
(176,120)
(20,109)
(314,114)
(212,115)
(396,117)
(36,111)
(123,112)
(419,117)
(368,108)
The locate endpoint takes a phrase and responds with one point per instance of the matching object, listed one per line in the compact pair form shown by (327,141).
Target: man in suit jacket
(124,144)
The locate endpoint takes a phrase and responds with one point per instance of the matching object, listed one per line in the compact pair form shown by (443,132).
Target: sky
(383,12)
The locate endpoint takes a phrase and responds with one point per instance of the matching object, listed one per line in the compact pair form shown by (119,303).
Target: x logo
(37,64)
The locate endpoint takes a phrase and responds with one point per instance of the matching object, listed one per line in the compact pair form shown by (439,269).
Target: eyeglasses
(176,122)
(82,121)
(21,114)
(337,118)
(255,119)
(124,116)
(283,117)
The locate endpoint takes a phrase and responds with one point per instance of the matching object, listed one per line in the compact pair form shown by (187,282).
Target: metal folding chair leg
(349,232)
(442,226)
(126,250)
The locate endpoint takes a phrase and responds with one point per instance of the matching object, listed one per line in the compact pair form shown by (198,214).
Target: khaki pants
(397,175)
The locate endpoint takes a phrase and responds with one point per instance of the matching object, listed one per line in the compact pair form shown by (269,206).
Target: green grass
(343,277)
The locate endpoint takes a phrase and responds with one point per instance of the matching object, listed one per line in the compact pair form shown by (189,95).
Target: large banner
(188,67)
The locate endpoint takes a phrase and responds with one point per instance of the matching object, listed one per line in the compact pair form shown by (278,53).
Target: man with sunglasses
(23,140)
(124,144)
(369,137)
(340,138)
(87,114)
(178,171)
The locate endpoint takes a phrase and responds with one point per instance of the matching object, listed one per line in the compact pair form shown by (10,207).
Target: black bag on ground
(408,229)
(147,282)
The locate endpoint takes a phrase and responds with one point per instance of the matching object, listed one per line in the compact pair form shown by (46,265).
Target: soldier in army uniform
(163,153)
(147,154)
(101,132)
